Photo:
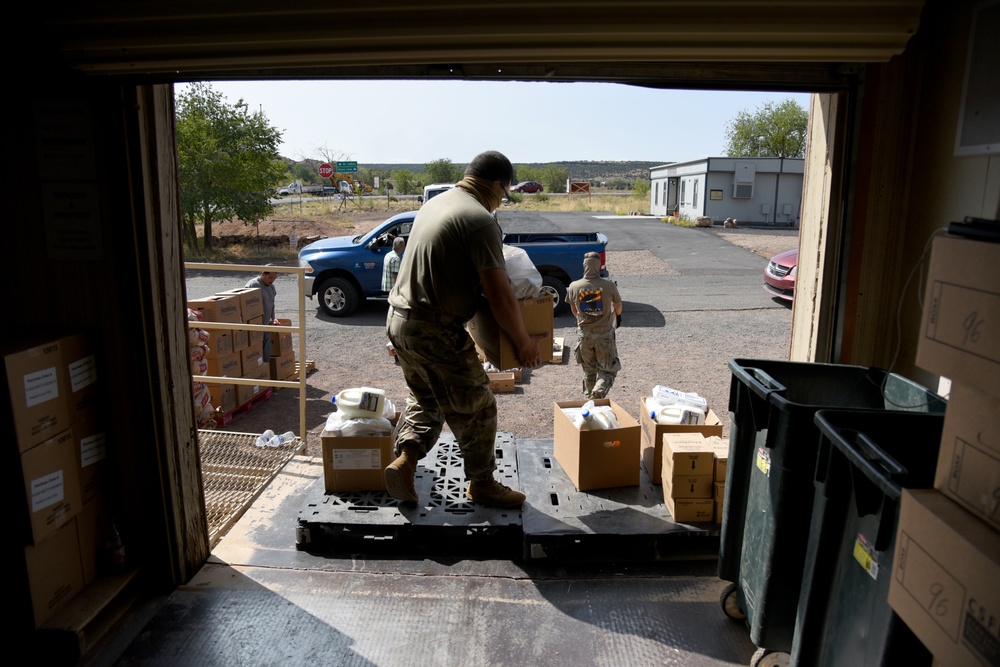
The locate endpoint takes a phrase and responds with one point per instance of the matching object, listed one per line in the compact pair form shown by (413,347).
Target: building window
(694,194)
(683,188)
(656,195)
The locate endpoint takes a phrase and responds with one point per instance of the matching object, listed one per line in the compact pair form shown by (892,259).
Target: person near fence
(268,292)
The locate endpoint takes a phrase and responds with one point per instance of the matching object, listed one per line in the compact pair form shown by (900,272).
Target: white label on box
(93,449)
(47,490)
(41,386)
(83,373)
(356,459)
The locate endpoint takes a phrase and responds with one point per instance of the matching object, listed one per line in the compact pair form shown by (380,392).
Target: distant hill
(582,170)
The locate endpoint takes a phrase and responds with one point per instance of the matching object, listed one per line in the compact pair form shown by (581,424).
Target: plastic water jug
(360,402)
(676,414)
(667,396)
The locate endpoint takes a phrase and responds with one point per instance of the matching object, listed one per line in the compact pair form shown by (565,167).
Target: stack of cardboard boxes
(57,473)
(240,352)
(946,569)
(694,476)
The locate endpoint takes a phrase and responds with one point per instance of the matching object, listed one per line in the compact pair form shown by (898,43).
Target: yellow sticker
(763,461)
(864,554)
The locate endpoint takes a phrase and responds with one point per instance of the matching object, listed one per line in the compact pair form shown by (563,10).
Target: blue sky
(422,121)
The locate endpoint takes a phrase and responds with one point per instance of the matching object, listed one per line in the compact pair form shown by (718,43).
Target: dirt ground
(353,354)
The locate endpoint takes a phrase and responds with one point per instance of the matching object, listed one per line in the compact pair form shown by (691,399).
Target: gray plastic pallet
(443,523)
(624,523)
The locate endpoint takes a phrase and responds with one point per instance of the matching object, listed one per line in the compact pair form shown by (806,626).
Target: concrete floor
(261,601)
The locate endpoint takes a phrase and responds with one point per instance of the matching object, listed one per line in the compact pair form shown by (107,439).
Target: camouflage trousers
(447,385)
(597,352)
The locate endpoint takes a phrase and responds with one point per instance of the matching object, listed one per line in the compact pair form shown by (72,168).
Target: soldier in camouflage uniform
(597,306)
(454,255)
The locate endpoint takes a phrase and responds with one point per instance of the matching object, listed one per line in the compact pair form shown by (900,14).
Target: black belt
(422,316)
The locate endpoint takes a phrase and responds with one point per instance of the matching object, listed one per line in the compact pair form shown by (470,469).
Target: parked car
(528,186)
(779,276)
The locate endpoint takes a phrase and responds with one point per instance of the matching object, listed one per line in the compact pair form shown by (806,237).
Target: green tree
(640,188)
(441,171)
(227,159)
(553,178)
(404,182)
(773,130)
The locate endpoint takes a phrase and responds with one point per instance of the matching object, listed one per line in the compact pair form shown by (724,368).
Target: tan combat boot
(494,494)
(399,476)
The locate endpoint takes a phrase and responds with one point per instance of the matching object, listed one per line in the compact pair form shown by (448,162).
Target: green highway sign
(346,167)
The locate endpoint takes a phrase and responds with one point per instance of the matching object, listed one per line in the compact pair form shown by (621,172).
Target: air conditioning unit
(743,178)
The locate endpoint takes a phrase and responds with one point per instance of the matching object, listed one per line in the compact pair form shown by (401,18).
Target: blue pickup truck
(345,270)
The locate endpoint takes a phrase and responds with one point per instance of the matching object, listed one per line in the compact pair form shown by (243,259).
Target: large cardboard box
(960,331)
(652,438)
(223,396)
(600,459)
(80,362)
(946,579)
(51,486)
(690,510)
(283,367)
(246,392)
(52,573)
(90,441)
(281,342)
(220,344)
(230,366)
(218,308)
(250,299)
(240,340)
(255,337)
(495,345)
(252,358)
(968,467)
(36,402)
(688,454)
(355,463)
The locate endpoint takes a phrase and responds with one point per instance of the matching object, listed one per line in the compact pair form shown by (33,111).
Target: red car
(779,276)
(527,186)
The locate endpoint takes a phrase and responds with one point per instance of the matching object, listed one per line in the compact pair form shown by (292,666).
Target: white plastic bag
(526,279)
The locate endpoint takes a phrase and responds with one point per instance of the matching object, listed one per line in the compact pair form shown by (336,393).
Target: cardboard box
(960,330)
(687,486)
(283,367)
(220,344)
(688,454)
(495,345)
(356,463)
(281,343)
(51,487)
(597,459)
(652,438)
(223,396)
(246,392)
(229,366)
(90,442)
(252,359)
(501,383)
(80,363)
(52,572)
(240,340)
(36,402)
(968,466)
(721,448)
(946,579)
(691,510)
(92,524)
(250,300)
(218,308)
(255,337)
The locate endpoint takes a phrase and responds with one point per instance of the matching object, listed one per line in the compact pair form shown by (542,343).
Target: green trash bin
(865,460)
(773,444)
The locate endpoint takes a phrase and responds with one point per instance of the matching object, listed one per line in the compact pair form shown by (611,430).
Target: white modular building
(754,191)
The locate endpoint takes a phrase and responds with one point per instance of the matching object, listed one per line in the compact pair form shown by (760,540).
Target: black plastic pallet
(628,523)
(443,523)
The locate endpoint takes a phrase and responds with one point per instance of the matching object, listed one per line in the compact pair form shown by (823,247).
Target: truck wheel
(554,286)
(338,297)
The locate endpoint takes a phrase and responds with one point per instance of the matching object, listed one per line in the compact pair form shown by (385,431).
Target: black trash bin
(773,443)
(865,459)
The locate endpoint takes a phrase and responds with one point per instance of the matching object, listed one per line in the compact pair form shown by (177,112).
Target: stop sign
(325,170)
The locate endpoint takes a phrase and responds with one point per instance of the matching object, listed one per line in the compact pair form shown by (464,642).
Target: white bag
(526,279)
